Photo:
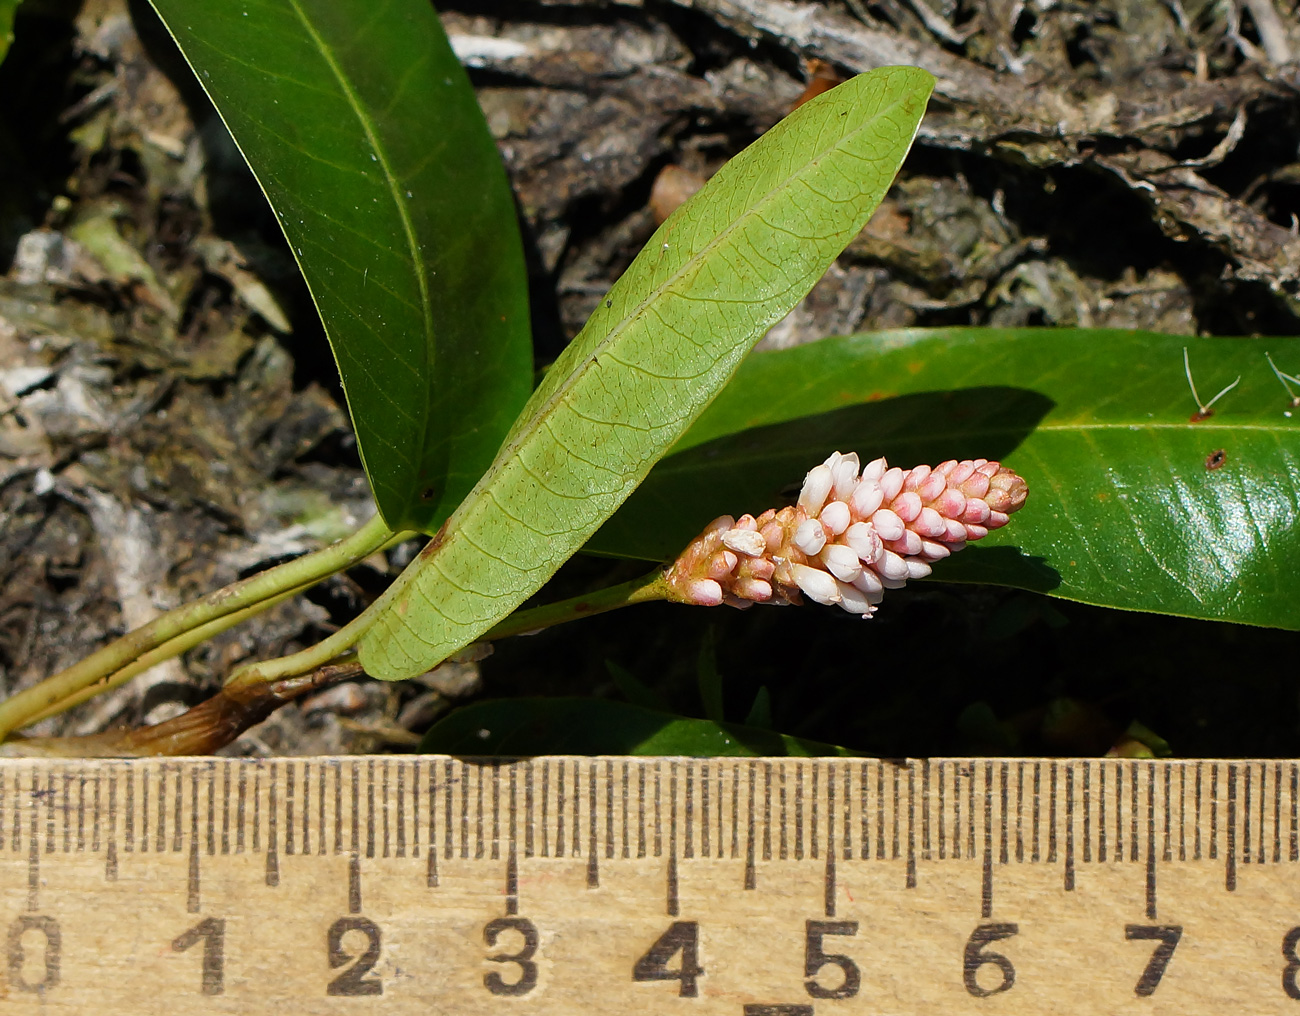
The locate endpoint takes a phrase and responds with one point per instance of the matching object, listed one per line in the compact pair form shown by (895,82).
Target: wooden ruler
(751,887)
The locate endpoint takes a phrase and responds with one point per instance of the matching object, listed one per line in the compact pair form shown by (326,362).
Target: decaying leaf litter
(169,419)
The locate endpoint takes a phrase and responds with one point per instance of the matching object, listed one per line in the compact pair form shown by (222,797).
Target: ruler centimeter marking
(750,886)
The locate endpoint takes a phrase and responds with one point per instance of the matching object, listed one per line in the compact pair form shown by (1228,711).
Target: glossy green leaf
(363,131)
(586,726)
(1124,508)
(721,271)
(7,11)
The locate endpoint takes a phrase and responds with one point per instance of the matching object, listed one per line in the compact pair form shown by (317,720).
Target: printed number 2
(353,980)
(1167,935)
(683,937)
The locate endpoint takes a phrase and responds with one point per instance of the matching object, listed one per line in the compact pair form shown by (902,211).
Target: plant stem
(247,597)
(641,590)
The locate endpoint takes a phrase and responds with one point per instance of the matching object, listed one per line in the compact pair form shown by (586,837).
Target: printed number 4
(681,937)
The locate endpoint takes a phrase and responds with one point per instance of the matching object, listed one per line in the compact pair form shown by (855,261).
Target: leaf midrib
(529,430)
(390,178)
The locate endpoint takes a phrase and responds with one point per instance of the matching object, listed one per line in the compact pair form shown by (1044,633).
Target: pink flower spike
(863,539)
(891,483)
(888,525)
(816,488)
(816,584)
(704,593)
(907,506)
(866,498)
(836,517)
(810,537)
(744,541)
(841,561)
(874,470)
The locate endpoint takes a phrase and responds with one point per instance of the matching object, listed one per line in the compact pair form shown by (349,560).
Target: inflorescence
(853,533)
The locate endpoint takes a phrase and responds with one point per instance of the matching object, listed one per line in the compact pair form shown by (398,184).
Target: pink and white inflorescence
(854,532)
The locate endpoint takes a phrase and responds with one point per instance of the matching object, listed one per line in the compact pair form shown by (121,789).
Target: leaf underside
(363,130)
(722,270)
(586,726)
(1124,507)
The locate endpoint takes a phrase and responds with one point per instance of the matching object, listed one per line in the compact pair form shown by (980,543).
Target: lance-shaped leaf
(7,10)
(362,129)
(721,271)
(1131,504)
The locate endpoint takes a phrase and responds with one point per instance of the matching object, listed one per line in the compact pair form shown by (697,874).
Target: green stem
(246,598)
(642,590)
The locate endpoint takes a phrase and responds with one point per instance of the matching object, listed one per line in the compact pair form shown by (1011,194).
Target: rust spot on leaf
(1216,459)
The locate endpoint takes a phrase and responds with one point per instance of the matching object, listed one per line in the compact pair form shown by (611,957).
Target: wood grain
(757,887)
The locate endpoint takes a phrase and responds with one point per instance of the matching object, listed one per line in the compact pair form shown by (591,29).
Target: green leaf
(1123,510)
(7,10)
(709,678)
(722,270)
(363,131)
(585,726)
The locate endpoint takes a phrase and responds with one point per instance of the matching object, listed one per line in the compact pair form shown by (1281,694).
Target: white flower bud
(816,584)
(744,541)
(917,569)
(891,567)
(854,600)
(866,498)
(810,537)
(864,540)
(874,469)
(846,475)
(888,525)
(836,517)
(816,488)
(841,561)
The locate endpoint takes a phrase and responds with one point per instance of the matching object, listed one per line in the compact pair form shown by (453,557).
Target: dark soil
(170,419)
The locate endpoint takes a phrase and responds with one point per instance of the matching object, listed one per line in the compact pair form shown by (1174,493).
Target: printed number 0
(975,957)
